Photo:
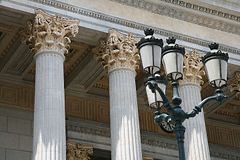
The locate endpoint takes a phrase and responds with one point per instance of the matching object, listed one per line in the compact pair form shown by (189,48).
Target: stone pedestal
(196,142)
(48,36)
(119,55)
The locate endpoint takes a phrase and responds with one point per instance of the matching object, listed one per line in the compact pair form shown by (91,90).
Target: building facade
(72,86)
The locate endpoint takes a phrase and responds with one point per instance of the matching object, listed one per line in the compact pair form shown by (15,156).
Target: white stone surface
(49,142)
(124,120)
(196,142)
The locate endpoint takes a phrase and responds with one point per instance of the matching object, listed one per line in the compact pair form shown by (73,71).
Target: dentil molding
(188,16)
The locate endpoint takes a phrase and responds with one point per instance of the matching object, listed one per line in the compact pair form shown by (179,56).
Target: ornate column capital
(234,84)
(118,51)
(51,33)
(79,151)
(193,68)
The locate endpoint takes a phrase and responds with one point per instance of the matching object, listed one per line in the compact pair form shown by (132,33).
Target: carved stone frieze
(183,4)
(51,33)
(79,151)
(88,109)
(118,51)
(131,24)
(234,85)
(193,68)
(178,13)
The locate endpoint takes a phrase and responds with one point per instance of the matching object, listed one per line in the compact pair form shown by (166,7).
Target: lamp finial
(213,46)
(171,40)
(149,31)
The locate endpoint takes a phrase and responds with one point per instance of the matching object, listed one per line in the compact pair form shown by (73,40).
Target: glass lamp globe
(215,63)
(150,52)
(154,99)
(172,58)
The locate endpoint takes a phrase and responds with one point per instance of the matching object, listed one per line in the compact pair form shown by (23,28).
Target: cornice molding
(187,5)
(188,16)
(131,24)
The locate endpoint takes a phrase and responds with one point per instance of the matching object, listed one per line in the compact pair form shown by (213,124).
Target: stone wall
(16,131)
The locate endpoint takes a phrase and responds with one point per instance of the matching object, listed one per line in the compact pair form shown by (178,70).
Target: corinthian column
(49,39)
(196,142)
(119,56)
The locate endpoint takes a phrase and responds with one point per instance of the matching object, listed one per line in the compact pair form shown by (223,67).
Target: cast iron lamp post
(152,53)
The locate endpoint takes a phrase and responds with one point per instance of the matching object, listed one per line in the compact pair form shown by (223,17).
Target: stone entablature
(181,11)
(71,8)
(183,4)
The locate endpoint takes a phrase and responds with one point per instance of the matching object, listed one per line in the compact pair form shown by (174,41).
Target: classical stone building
(70,77)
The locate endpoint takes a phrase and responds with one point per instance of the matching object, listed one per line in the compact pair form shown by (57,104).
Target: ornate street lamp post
(152,53)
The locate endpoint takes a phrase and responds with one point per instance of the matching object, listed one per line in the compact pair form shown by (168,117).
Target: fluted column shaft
(49,140)
(125,132)
(48,39)
(118,54)
(196,142)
